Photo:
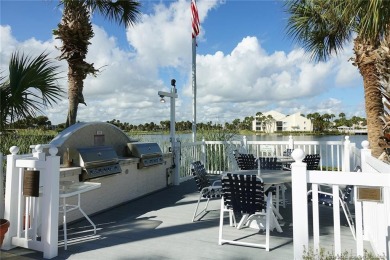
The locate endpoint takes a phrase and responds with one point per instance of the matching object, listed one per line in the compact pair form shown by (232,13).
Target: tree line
(321,123)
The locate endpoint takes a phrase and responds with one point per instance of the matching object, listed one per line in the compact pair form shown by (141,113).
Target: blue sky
(245,63)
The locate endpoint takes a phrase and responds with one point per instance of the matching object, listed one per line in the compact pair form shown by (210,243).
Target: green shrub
(23,139)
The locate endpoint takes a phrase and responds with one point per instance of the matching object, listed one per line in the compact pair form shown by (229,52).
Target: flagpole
(194,89)
(195,31)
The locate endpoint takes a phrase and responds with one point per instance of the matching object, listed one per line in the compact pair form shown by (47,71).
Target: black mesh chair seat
(207,190)
(270,163)
(288,152)
(312,161)
(244,196)
(245,161)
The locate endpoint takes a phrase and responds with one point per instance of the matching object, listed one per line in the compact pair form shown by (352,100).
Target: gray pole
(194,89)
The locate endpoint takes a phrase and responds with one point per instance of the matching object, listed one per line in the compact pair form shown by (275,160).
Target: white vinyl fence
(372,218)
(34,219)
(217,156)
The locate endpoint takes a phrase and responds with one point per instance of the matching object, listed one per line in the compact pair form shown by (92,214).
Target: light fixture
(162,100)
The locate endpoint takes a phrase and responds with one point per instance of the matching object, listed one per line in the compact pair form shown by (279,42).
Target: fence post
(290,142)
(11,188)
(204,158)
(299,204)
(346,167)
(245,143)
(361,222)
(364,153)
(50,203)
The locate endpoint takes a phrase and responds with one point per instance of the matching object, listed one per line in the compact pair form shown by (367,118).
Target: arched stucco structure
(87,134)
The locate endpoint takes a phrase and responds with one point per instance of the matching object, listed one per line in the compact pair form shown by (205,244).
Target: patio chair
(244,196)
(245,161)
(269,163)
(326,199)
(287,153)
(249,162)
(206,189)
(312,161)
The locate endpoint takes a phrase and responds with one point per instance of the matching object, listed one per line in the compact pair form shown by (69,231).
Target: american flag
(195,19)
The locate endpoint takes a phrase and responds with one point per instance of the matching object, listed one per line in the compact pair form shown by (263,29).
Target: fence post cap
(53,150)
(14,150)
(298,155)
(365,144)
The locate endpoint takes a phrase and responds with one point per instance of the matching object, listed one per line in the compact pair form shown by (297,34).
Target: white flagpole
(194,89)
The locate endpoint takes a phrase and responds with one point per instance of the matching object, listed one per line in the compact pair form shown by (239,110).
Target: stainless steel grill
(98,161)
(149,153)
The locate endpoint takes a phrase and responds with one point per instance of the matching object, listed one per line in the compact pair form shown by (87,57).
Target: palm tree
(323,27)
(75,31)
(30,86)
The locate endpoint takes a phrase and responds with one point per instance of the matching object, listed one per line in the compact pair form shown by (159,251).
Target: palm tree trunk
(365,61)
(75,82)
(75,31)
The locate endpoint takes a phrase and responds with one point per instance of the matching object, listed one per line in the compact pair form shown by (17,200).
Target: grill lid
(97,156)
(141,150)
(98,161)
(149,153)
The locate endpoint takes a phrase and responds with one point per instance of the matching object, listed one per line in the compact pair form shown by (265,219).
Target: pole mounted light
(172,95)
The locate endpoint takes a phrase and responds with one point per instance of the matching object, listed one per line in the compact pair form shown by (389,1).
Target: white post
(176,178)
(346,166)
(50,202)
(204,157)
(299,202)
(194,89)
(173,95)
(244,143)
(290,142)
(365,152)
(360,220)
(11,197)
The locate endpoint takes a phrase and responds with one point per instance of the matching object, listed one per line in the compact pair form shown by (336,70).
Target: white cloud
(230,85)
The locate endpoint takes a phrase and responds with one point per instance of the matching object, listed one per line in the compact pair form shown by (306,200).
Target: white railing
(374,228)
(217,156)
(34,220)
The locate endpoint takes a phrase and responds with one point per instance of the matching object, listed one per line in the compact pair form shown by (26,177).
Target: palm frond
(122,12)
(374,17)
(30,87)
(321,27)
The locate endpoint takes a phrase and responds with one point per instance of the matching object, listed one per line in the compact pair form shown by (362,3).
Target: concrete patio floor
(159,226)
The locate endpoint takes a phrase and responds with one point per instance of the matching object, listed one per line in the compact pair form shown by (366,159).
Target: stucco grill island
(125,168)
